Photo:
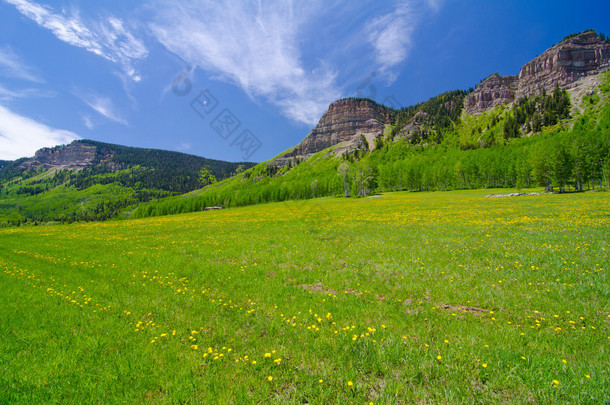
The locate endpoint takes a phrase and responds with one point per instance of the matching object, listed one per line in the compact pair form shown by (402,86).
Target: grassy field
(399,298)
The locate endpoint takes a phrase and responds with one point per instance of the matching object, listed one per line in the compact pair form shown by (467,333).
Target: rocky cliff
(568,64)
(344,122)
(492,92)
(563,65)
(582,55)
(76,155)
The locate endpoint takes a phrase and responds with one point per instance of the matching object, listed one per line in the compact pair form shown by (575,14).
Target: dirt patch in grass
(462,308)
(317,288)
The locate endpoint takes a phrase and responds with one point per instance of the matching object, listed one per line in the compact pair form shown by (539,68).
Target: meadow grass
(404,297)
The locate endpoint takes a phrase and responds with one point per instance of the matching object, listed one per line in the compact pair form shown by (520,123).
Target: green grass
(412,297)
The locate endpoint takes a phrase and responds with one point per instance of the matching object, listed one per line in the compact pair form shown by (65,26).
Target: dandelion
(267,354)
(564,361)
(555,382)
(439,358)
(587,376)
(484,365)
(349,383)
(320,381)
(270,378)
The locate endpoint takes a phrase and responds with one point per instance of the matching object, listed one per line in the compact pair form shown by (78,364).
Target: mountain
(88,180)
(547,127)
(564,65)
(344,122)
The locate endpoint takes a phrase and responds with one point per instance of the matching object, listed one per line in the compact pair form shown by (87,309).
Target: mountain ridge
(564,65)
(360,147)
(91,180)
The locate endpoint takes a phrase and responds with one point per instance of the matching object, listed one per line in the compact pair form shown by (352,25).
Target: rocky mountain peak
(344,121)
(576,57)
(562,65)
(492,92)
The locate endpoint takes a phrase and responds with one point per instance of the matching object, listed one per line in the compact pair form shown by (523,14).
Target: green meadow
(396,298)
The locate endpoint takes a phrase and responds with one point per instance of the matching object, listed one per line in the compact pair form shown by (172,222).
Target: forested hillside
(49,188)
(541,141)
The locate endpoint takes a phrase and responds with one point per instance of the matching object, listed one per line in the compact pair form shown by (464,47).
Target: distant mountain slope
(90,180)
(547,127)
(565,65)
(546,141)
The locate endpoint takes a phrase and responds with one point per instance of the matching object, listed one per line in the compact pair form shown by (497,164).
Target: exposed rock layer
(565,65)
(492,92)
(562,65)
(344,121)
(583,55)
(76,155)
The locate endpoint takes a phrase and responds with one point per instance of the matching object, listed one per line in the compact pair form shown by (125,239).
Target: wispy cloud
(21,136)
(183,147)
(7,94)
(88,122)
(391,35)
(11,65)
(252,45)
(102,105)
(259,46)
(106,37)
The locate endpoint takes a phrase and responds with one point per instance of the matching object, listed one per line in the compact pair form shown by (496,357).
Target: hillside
(554,135)
(546,127)
(89,180)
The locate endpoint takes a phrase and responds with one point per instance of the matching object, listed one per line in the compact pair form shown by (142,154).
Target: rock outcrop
(344,122)
(76,155)
(582,55)
(492,92)
(563,65)
(414,125)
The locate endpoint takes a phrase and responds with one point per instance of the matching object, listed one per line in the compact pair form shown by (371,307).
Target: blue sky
(246,80)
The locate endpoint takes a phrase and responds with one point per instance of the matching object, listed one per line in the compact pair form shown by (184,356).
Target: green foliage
(443,111)
(575,34)
(120,178)
(479,151)
(206,177)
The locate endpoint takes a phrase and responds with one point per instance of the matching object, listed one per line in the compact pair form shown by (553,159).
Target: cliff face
(583,55)
(344,121)
(492,92)
(562,65)
(566,65)
(76,155)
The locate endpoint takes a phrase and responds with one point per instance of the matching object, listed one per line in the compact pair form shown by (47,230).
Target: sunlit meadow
(398,298)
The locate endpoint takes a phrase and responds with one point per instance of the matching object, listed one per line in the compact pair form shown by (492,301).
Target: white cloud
(22,137)
(390,35)
(105,37)
(12,66)
(103,106)
(7,94)
(183,147)
(88,122)
(255,46)
(270,48)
